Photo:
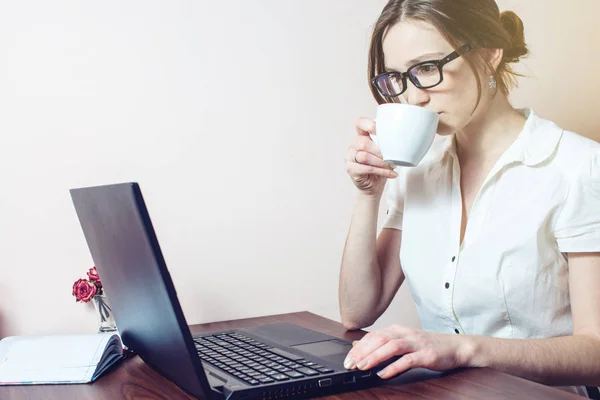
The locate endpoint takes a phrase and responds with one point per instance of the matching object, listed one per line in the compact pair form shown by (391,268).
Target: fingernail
(348,363)
(363,364)
(381,373)
(394,174)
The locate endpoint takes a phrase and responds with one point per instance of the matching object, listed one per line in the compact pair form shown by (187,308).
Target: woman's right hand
(364,162)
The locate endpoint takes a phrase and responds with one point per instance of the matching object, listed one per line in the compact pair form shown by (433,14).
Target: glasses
(423,75)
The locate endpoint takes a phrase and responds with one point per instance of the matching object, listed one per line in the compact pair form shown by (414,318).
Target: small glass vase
(107,321)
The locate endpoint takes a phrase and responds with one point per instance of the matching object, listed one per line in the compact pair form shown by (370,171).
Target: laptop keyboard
(252,361)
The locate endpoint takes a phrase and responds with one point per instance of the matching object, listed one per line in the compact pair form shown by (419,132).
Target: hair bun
(514,26)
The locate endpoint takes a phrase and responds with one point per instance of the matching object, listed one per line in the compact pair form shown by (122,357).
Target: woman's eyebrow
(424,57)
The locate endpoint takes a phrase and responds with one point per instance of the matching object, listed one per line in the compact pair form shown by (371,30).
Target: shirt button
(447,285)
(453,258)
(457,331)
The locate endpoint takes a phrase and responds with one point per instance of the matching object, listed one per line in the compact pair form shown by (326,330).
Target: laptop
(262,362)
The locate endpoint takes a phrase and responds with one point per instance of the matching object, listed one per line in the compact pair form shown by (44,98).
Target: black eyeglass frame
(403,75)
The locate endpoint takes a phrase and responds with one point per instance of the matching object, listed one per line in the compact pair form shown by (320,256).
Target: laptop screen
(126,253)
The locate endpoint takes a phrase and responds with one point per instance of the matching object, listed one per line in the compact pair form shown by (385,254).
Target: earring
(492,82)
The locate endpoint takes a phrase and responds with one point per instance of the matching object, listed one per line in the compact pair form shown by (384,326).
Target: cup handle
(374,137)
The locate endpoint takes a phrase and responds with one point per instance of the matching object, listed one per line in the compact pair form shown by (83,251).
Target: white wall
(234,117)
(562,81)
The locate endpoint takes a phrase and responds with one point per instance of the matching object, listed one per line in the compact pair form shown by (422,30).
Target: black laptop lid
(140,291)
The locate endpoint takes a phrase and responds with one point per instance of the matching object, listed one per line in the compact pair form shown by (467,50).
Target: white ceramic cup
(404,132)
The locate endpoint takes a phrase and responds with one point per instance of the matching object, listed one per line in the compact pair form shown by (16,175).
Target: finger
(350,154)
(364,126)
(396,347)
(367,345)
(366,144)
(418,359)
(358,171)
(365,158)
(354,342)
(374,340)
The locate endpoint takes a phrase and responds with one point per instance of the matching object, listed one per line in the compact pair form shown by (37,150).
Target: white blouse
(509,277)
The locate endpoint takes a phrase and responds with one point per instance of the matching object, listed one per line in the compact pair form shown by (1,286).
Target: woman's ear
(494,57)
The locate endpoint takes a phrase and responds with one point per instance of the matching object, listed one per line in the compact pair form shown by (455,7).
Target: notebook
(59,359)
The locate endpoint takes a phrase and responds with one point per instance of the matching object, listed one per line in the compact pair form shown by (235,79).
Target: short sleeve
(395,201)
(578,225)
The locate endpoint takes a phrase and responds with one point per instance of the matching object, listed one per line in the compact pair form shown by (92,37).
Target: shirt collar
(535,144)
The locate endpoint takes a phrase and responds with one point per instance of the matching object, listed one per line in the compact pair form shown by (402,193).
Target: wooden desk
(133,379)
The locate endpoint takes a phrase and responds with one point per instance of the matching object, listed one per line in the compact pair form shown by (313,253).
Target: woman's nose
(416,96)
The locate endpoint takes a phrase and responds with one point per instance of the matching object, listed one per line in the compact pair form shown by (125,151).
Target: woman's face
(409,42)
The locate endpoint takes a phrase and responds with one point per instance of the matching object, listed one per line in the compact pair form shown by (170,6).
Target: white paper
(53,359)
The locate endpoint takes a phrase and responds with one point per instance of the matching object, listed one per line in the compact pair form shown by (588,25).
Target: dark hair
(478,23)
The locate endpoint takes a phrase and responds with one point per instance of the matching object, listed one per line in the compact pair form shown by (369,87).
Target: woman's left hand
(418,348)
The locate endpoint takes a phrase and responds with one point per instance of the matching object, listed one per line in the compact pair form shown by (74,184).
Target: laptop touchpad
(325,348)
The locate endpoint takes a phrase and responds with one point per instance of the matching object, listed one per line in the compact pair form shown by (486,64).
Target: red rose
(84,290)
(94,277)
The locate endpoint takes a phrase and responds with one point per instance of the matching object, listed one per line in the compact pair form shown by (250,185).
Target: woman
(496,231)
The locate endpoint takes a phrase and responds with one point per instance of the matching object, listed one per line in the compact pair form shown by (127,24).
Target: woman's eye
(426,69)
